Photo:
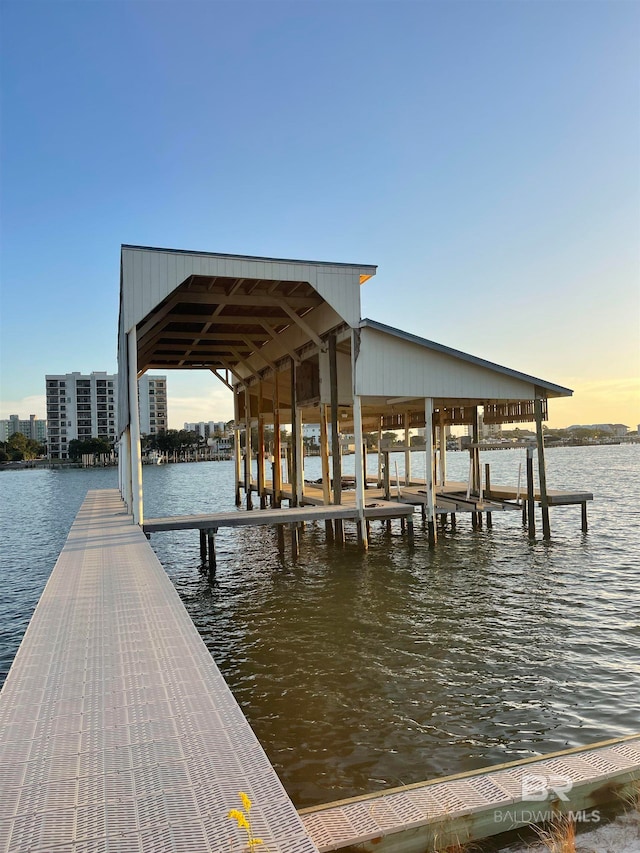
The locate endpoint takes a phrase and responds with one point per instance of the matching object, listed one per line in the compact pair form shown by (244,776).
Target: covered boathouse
(288,340)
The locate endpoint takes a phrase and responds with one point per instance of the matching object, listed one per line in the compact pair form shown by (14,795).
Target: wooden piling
(247,448)
(277,447)
(211,547)
(531,520)
(203,547)
(429,471)
(261,449)
(293,470)
(487,491)
(295,541)
(335,435)
(542,474)
(583,506)
(324,456)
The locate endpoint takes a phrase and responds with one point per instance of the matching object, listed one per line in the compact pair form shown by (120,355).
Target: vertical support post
(429,484)
(379,483)
(386,477)
(293,470)
(134,423)
(475,453)
(326,475)
(407,452)
(203,546)
(211,542)
(443,447)
(360,470)
(542,473)
(261,478)
(487,491)
(237,456)
(585,527)
(126,469)
(277,447)
(531,520)
(335,436)
(299,449)
(247,447)
(324,456)
(295,541)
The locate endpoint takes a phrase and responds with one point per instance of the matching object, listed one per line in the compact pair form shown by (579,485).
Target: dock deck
(448,813)
(377,508)
(117,730)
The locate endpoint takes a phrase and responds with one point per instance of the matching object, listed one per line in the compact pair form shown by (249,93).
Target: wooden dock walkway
(117,730)
(377,509)
(448,813)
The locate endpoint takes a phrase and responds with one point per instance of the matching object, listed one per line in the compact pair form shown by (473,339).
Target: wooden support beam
(487,491)
(211,547)
(302,324)
(531,519)
(542,473)
(324,455)
(276,337)
(261,450)
(295,541)
(277,447)
(293,470)
(335,435)
(442,435)
(247,447)
(407,452)
(222,379)
(429,479)
(360,470)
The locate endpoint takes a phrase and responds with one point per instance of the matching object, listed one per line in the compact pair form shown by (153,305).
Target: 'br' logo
(537,787)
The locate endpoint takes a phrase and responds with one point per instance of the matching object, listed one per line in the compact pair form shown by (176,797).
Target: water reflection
(360,671)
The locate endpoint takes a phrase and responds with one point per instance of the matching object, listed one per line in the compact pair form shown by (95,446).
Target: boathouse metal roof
(228,313)
(248,318)
(550,389)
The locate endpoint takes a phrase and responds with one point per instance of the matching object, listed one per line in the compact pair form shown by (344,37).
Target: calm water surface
(362,671)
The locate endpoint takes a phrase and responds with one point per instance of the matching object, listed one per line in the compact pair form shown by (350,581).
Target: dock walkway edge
(117,729)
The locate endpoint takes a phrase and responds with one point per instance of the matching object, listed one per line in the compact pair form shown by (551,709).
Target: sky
(485,155)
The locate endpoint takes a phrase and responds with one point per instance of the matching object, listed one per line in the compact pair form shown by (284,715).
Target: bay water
(360,671)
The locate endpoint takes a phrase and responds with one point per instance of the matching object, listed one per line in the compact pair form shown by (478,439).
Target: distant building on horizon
(207,429)
(617,430)
(34,428)
(152,400)
(83,406)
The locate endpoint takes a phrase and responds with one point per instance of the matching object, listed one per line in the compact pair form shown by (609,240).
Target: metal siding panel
(392,367)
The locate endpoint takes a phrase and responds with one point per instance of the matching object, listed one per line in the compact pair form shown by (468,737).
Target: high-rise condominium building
(207,429)
(33,428)
(85,406)
(81,407)
(152,397)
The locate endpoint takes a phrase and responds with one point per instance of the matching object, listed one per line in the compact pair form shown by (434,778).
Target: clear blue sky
(485,155)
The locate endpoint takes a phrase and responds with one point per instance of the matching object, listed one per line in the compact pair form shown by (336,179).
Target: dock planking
(377,509)
(117,730)
(451,812)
